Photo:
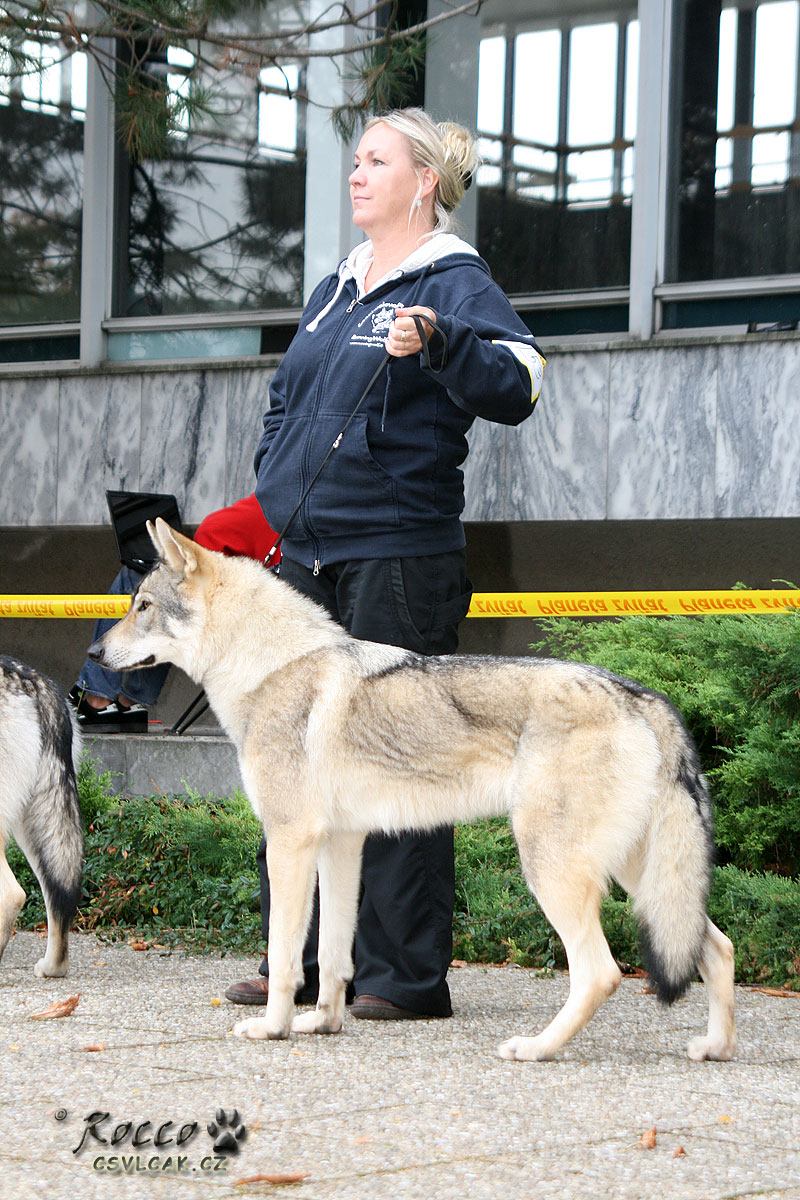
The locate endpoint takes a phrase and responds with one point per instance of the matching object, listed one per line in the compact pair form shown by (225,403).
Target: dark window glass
(736,152)
(41,183)
(218,224)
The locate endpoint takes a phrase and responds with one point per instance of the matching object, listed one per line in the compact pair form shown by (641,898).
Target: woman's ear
(428,182)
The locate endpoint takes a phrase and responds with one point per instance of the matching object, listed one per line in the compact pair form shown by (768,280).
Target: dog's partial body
(39,750)
(339,738)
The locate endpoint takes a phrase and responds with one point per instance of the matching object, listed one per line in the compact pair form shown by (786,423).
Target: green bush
(736,681)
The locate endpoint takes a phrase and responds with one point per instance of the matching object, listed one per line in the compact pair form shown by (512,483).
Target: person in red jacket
(111,703)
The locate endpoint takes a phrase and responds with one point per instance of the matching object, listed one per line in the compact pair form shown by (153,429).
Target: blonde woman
(378,541)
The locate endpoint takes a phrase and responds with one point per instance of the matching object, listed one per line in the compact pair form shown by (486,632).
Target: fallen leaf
(648,990)
(215,1003)
(362,1141)
(61,1008)
(99,962)
(768,991)
(15,1047)
(138,945)
(458,962)
(679,1152)
(291,1177)
(648,1140)
(724,1119)
(92,1047)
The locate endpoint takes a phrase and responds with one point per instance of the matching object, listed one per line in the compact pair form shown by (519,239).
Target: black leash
(417,319)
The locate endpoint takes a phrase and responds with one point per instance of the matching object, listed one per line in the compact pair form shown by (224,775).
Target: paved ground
(383,1112)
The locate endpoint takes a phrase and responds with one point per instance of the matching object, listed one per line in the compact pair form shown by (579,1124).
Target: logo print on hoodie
(373,328)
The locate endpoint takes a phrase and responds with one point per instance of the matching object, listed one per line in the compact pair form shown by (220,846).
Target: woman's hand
(403,338)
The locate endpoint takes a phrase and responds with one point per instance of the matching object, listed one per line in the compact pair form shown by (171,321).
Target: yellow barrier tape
(90,607)
(620,604)
(485,604)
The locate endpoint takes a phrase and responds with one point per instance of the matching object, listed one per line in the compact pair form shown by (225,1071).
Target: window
(280,134)
(217,225)
(556,118)
(41,183)
(736,161)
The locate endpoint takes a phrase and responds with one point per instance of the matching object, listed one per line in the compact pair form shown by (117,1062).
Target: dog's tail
(672,892)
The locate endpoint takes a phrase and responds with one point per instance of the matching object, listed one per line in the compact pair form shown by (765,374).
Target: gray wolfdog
(39,750)
(338,738)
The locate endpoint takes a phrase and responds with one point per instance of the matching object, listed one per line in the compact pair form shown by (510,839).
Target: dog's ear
(179,553)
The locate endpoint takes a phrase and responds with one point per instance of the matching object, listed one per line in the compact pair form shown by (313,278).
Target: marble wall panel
(662,428)
(247,402)
(28,451)
(485,483)
(557,458)
(758,442)
(99,428)
(685,431)
(184,427)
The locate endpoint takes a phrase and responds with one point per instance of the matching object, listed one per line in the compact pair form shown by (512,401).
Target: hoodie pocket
(354,491)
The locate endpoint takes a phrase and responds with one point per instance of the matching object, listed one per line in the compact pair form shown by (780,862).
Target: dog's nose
(95,652)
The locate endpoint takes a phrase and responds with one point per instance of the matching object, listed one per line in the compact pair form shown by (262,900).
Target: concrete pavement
(407,1110)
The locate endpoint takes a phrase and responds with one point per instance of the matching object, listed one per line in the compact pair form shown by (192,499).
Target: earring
(419,203)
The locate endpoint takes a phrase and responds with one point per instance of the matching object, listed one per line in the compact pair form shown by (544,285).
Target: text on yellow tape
(484,604)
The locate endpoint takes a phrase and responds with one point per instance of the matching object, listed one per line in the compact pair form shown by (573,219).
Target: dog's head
(164,623)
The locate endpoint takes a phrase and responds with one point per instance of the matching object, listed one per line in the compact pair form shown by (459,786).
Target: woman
(379,541)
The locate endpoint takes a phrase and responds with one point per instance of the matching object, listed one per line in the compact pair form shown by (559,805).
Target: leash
(417,319)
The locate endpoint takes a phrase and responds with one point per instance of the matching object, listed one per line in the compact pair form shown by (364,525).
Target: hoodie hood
(359,261)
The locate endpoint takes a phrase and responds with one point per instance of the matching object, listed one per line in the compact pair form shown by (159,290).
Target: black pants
(403,944)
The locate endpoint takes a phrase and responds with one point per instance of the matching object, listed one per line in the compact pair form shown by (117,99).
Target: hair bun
(460,149)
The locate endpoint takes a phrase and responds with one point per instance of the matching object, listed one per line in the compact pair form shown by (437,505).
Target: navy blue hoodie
(393,487)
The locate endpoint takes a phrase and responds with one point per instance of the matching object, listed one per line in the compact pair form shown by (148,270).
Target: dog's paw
(701,1049)
(525,1049)
(227,1131)
(258,1029)
(319,1020)
(45,970)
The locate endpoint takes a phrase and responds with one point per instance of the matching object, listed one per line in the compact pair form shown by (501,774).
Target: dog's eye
(143,604)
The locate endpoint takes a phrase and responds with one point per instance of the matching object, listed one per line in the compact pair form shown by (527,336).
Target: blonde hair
(449,150)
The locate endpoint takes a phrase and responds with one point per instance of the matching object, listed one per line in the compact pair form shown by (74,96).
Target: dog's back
(39,749)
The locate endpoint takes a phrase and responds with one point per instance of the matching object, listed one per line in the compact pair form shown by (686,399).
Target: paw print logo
(227,1131)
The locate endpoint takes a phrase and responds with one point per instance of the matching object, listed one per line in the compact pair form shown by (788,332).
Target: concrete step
(202,760)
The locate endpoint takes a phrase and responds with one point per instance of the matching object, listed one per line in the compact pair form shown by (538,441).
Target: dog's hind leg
(571,902)
(291,864)
(339,881)
(56,859)
(12,898)
(716,968)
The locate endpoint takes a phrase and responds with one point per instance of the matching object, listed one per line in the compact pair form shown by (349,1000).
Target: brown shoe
(256,991)
(374,1008)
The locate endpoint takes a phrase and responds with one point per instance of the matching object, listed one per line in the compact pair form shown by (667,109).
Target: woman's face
(384,185)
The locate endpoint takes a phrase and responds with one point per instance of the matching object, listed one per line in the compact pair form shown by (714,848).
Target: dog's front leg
(339,880)
(291,861)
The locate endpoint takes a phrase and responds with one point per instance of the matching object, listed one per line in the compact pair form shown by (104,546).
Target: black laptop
(130,512)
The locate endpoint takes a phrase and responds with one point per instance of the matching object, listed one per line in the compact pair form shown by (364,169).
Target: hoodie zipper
(322,378)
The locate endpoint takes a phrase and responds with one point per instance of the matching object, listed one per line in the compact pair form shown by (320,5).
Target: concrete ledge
(144,764)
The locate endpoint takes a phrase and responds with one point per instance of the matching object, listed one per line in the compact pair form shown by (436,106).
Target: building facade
(637,201)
